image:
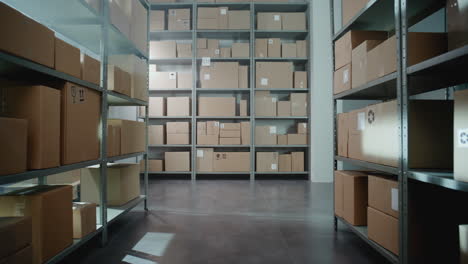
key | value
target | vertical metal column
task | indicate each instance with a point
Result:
(252, 91)
(194, 91)
(308, 69)
(146, 155)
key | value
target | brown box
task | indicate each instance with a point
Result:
(51, 214)
(351, 8)
(288, 50)
(223, 20)
(184, 50)
(132, 135)
(231, 161)
(381, 60)
(178, 139)
(13, 153)
(274, 47)
(205, 158)
(461, 135)
(230, 141)
(212, 128)
(157, 106)
(178, 106)
(239, 19)
(245, 133)
(342, 127)
(267, 161)
(297, 139)
(208, 139)
(302, 128)
(293, 21)
(297, 161)
(230, 134)
(353, 187)
(457, 24)
(163, 49)
(383, 194)
(243, 108)
(230, 126)
(383, 229)
(20, 32)
(339, 193)
(359, 63)
(207, 23)
(274, 75)
(153, 166)
(261, 47)
(300, 80)
(265, 105)
(112, 140)
(269, 21)
(156, 135)
(342, 79)
(15, 234)
(119, 80)
(177, 127)
(67, 58)
(243, 77)
(179, 19)
(217, 106)
(84, 219)
(284, 163)
(157, 20)
(220, 75)
(177, 161)
(202, 43)
(355, 121)
(265, 135)
(139, 69)
(201, 128)
(139, 26)
(90, 69)
(282, 139)
(284, 108)
(184, 80)
(225, 52)
(301, 46)
(240, 50)
(162, 80)
(207, 18)
(123, 183)
(298, 104)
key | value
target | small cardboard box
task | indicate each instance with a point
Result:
(230, 126)
(460, 136)
(288, 50)
(265, 135)
(359, 63)
(162, 80)
(132, 135)
(342, 79)
(269, 21)
(383, 194)
(383, 229)
(261, 47)
(243, 77)
(274, 47)
(284, 108)
(208, 139)
(230, 141)
(239, 19)
(265, 105)
(267, 161)
(240, 50)
(67, 58)
(177, 161)
(301, 46)
(381, 60)
(298, 104)
(302, 128)
(153, 166)
(177, 127)
(84, 219)
(90, 69)
(354, 196)
(297, 161)
(225, 52)
(282, 139)
(157, 20)
(157, 106)
(163, 49)
(207, 18)
(243, 108)
(13, 153)
(202, 43)
(339, 194)
(284, 163)
(179, 19)
(217, 106)
(184, 80)
(205, 158)
(207, 23)
(212, 128)
(297, 139)
(119, 80)
(15, 234)
(293, 21)
(178, 106)
(300, 80)
(184, 50)
(156, 134)
(231, 161)
(274, 75)
(245, 133)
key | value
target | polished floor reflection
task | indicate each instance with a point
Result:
(221, 222)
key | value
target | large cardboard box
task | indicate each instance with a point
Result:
(265, 135)
(271, 75)
(245, 133)
(231, 161)
(157, 106)
(220, 75)
(261, 47)
(265, 105)
(288, 50)
(302, 48)
(342, 129)
(355, 123)
(156, 134)
(177, 161)
(383, 229)
(351, 8)
(123, 183)
(184, 80)
(284, 108)
(240, 50)
(14, 142)
(184, 50)
(354, 196)
(132, 135)
(383, 194)
(178, 106)
(359, 63)
(163, 49)
(119, 18)
(90, 69)
(217, 106)
(239, 19)
(157, 20)
(297, 139)
(293, 21)
(162, 80)
(19, 32)
(269, 21)
(267, 161)
(300, 80)
(15, 234)
(339, 194)
(460, 135)
(205, 159)
(177, 133)
(342, 79)
(67, 58)
(223, 19)
(274, 48)
(50, 209)
(284, 161)
(243, 77)
(139, 26)
(457, 23)
(179, 19)
(119, 80)
(382, 60)
(40, 106)
(207, 18)
(84, 219)
(297, 161)
(298, 104)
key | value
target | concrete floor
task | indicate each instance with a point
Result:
(222, 221)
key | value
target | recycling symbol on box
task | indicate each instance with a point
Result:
(370, 117)
(463, 138)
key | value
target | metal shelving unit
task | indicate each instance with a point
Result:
(92, 32)
(236, 35)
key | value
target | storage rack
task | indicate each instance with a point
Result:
(443, 71)
(194, 62)
(91, 31)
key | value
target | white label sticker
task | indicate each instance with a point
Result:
(276, 17)
(394, 199)
(264, 81)
(206, 61)
(222, 125)
(274, 99)
(273, 130)
(200, 153)
(223, 11)
(463, 138)
(345, 76)
(172, 75)
(270, 41)
(217, 51)
(304, 125)
(216, 124)
(274, 166)
(19, 209)
(361, 121)
(206, 76)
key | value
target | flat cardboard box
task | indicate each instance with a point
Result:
(162, 80)
(225, 52)
(298, 104)
(184, 50)
(220, 75)
(239, 19)
(178, 106)
(230, 134)
(217, 106)
(208, 139)
(157, 20)
(461, 135)
(245, 133)
(15, 234)
(119, 80)
(205, 158)
(269, 21)
(184, 80)
(284, 161)
(132, 135)
(261, 47)
(178, 139)
(288, 50)
(243, 108)
(301, 46)
(119, 18)
(297, 161)
(177, 127)
(20, 31)
(240, 50)
(84, 219)
(267, 161)
(139, 26)
(383, 229)
(13, 153)
(354, 197)
(230, 141)
(156, 135)
(300, 80)
(223, 19)
(284, 108)
(67, 58)
(90, 69)
(342, 129)
(163, 49)
(231, 161)
(157, 106)
(177, 161)
(282, 139)
(342, 79)
(359, 62)
(302, 128)
(243, 77)
(123, 183)
(293, 21)
(274, 75)
(383, 194)
(178, 19)
(51, 214)
(457, 24)
(297, 139)
(274, 47)
(350, 8)
(265, 135)
(265, 105)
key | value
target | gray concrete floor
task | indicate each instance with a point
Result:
(222, 221)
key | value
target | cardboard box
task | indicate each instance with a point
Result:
(20, 31)
(13, 153)
(111, 134)
(265, 105)
(284, 163)
(231, 161)
(40, 106)
(67, 58)
(229, 141)
(239, 19)
(288, 50)
(84, 219)
(162, 80)
(201, 128)
(240, 50)
(207, 23)
(267, 161)
(207, 18)
(184, 50)
(301, 46)
(284, 108)
(157, 107)
(220, 75)
(293, 21)
(177, 127)
(223, 20)
(137, 68)
(178, 139)
(282, 139)
(205, 158)
(156, 135)
(243, 108)
(274, 75)
(225, 52)
(153, 166)
(51, 214)
(208, 139)
(139, 26)
(178, 106)
(457, 23)
(302, 128)
(265, 135)
(230, 126)
(354, 196)
(274, 48)
(269, 21)
(211, 48)
(339, 194)
(351, 8)
(184, 80)
(163, 49)
(243, 77)
(355, 121)
(230, 134)
(359, 63)
(132, 135)
(297, 139)
(217, 106)
(297, 161)
(90, 69)
(352, 39)
(202, 43)
(119, 80)
(382, 60)
(342, 79)
(179, 19)
(342, 129)
(460, 135)
(119, 18)
(245, 133)
(383, 194)
(157, 20)
(300, 80)
(123, 183)
(261, 47)
(212, 128)
(15, 234)
(177, 161)
(298, 104)
(383, 229)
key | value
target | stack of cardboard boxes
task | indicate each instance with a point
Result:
(281, 21)
(224, 75)
(177, 133)
(169, 49)
(268, 135)
(125, 137)
(211, 48)
(210, 161)
(131, 78)
(275, 162)
(215, 133)
(222, 18)
(268, 105)
(273, 48)
(162, 80)
(169, 106)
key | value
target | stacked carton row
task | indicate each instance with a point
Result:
(125, 137)
(166, 80)
(275, 162)
(216, 133)
(222, 18)
(268, 135)
(275, 48)
(126, 74)
(268, 105)
(177, 19)
(176, 133)
(211, 48)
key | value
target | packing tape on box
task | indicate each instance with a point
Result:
(463, 138)
(274, 166)
(264, 81)
(273, 130)
(395, 199)
(200, 153)
(206, 61)
(276, 17)
(361, 121)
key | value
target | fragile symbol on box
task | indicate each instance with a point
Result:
(172, 76)
(274, 166)
(264, 81)
(272, 130)
(206, 76)
(463, 138)
(199, 153)
(78, 94)
(206, 61)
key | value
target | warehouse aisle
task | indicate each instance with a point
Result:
(220, 222)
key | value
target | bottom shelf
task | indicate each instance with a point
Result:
(114, 213)
(361, 231)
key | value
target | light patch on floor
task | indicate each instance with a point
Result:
(136, 260)
(154, 243)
